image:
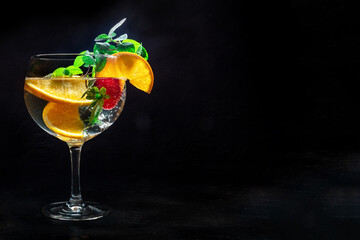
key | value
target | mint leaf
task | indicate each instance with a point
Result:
(59, 72)
(104, 48)
(125, 47)
(142, 52)
(78, 62)
(67, 72)
(111, 50)
(139, 49)
(74, 70)
(88, 60)
(101, 47)
(121, 38)
(116, 26)
(86, 52)
(101, 37)
(111, 35)
(136, 43)
(100, 61)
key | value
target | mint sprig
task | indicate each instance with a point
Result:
(92, 62)
(105, 44)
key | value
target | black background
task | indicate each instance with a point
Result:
(251, 131)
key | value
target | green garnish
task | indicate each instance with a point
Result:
(105, 44)
(97, 96)
(67, 72)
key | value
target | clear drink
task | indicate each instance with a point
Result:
(64, 112)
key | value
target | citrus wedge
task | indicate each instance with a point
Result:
(64, 119)
(130, 66)
(60, 90)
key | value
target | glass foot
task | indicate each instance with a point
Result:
(86, 211)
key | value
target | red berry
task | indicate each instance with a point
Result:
(113, 89)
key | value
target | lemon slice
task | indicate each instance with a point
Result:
(130, 66)
(58, 90)
(64, 119)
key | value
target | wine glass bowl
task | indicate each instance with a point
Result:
(74, 106)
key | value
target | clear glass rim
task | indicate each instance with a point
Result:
(57, 56)
(64, 56)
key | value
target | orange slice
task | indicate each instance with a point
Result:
(59, 90)
(130, 66)
(64, 119)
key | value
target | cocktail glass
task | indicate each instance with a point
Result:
(59, 106)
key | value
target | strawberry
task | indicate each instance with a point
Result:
(113, 89)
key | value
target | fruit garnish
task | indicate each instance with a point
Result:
(113, 90)
(130, 66)
(63, 119)
(111, 58)
(59, 90)
(120, 58)
(130, 60)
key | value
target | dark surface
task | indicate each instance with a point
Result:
(319, 201)
(251, 131)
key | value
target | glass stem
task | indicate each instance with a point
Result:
(75, 201)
